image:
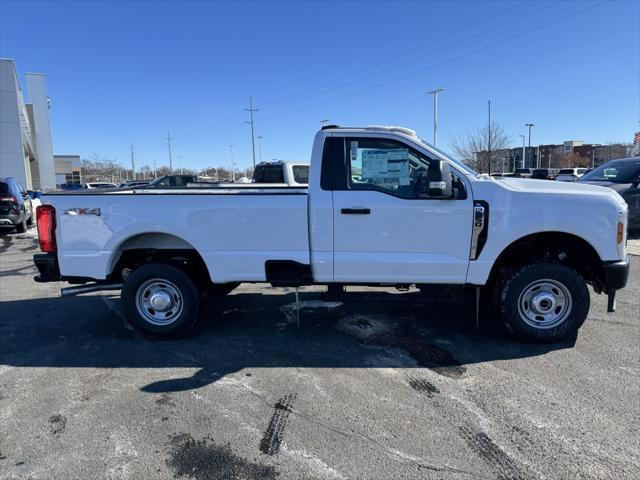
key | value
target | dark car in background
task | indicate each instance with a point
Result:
(16, 210)
(520, 173)
(623, 176)
(544, 173)
(173, 181)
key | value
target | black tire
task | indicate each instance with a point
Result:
(30, 219)
(21, 227)
(166, 281)
(520, 307)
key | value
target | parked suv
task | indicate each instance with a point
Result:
(571, 174)
(623, 176)
(16, 210)
(544, 173)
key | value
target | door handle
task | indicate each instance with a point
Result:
(355, 211)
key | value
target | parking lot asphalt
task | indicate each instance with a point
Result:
(371, 387)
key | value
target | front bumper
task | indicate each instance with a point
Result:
(47, 264)
(616, 274)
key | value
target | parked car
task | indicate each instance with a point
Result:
(173, 181)
(623, 176)
(519, 173)
(382, 207)
(288, 173)
(16, 209)
(96, 185)
(70, 186)
(544, 173)
(570, 174)
(134, 183)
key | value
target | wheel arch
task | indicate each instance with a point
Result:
(155, 247)
(567, 248)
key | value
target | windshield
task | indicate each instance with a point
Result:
(465, 168)
(566, 171)
(617, 171)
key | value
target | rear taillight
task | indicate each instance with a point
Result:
(46, 220)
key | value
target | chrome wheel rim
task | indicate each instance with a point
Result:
(159, 302)
(545, 304)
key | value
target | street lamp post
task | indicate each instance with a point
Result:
(233, 164)
(522, 150)
(435, 113)
(260, 146)
(529, 125)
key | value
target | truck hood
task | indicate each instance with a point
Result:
(559, 188)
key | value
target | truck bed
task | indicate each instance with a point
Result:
(235, 230)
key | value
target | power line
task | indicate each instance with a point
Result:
(403, 54)
(444, 62)
(416, 72)
(415, 59)
(229, 120)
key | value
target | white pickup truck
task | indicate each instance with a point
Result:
(382, 207)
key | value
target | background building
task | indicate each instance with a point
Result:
(67, 169)
(26, 151)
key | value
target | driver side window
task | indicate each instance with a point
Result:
(386, 166)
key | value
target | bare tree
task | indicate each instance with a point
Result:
(97, 168)
(473, 147)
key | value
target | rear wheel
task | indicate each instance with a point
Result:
(22, 226)
(543, 302)
(160, 300)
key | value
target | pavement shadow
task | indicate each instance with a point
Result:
(248, 330)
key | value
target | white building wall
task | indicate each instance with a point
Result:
(36, 84)
(13, 161)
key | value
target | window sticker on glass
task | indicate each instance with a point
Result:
(386, 166)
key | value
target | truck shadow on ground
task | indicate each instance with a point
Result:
(249, 330)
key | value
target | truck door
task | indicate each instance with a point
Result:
(385, 230)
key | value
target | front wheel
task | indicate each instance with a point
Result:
(543, 302)
(160, 300)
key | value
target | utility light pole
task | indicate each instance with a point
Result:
(435, 112)
(529, 125)
(521, 135)
(233, 164)
(260, 137)
(169, 138)
(253, 138)
(324, 122)
(133, 164)
(489, 136)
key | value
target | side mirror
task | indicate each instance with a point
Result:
(636, 181)
(439, 180)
